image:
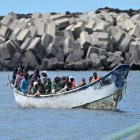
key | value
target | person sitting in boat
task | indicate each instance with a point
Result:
(41, 88)
(24, 84)
(73, 82)
(83, 82)
(35, 75)
(43, 76)
(56, 86)
(31, 89)
(90, 79)
(19, 78)
(95, 77)
(67, 87)
(63, 81)
(47, 85)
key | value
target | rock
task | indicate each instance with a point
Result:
(54, 52)
(85, 40)
(135, 31)
(23, 34)
(96, 50)
(26, 43)
(5, 31)
(62, 23)
(89, 27)
(100, 26)
(70, 46)
(51, 29)
(77, 29)
(8, 19)
(2, 39)
(125, 44)
(37, 15)
(4, 52)
(52, 64)
(75, 66)
(46, 39)
(58, 16)
(29, 60)
(33, 31)
(75, 56)
(14, 61)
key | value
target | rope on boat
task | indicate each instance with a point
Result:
(134, 130)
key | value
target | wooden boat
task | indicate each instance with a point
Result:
(105, 93)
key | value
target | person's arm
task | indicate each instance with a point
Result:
(15, 84)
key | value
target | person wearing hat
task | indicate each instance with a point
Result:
(95, 77)
(43, 76)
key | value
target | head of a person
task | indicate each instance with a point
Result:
(35, 84)
(95, 75)
(90, 78)
(67, 78)
(44, 73)
(57, 79)
(26, 76)
(71, 79)
(36, 72)
(25, 70)
(38, 81)
(83, 80)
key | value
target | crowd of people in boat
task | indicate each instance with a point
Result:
(38, 83)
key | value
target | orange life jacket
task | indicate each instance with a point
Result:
(94, 80)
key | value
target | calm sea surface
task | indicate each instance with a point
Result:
(17, 123)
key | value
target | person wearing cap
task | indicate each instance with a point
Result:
(83, 82)
(73, 83)
(24, 84)
(95, 77)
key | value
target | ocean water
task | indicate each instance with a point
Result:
(18, 123)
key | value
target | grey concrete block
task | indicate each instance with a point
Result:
(65, 34)
(2, 39)
(40, 26)
(95, 60)
(5, 31)
(135, 17)
(37, 15)
(29, 60)
(85, 40)
(102, 36)
(14, 61)
(15, 32)
(135, 31)
(35, 44)
(100, 26)
(33, 31)
(94, 40)
(89, 27)
(46, 39)
(26, 43)
(52, 64)
(75, 56)
(58, 16)
(4, 52)
(54, 52)
(62, 23)
(96, 50)
(23, 34)
(107, 17)
(75, 66)
(77, 29)
(51, 29)
(8, 19)
(70, 46)
(125, 44)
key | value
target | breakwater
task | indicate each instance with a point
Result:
(100, 40)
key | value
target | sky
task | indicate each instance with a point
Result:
(61, 6)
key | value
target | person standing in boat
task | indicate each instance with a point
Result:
(95, 77)
(24, 84)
